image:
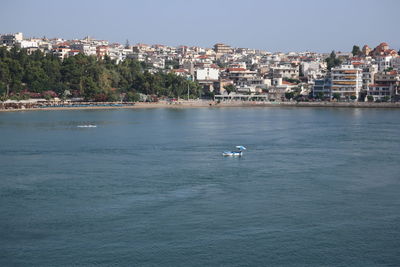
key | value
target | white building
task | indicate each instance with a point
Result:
(27, 44)
(383, 62)
(209, 74)
(61, 52)
(87, 49)
(11, 39)
(395, 63)
(285, 72)
(156, 62)
(312, 70)
(379, 91)
(346, 81)
(368, 76)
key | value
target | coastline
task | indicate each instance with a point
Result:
(213, 104)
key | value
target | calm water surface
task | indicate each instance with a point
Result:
(316, 187)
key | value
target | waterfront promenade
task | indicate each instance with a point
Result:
(195, 104)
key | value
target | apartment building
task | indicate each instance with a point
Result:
(322, 87)
(207, 74)
(368, 74)
(284, 71)
(238, 75)
(222, 49)
(346, 81)
(11, 39)
(386, 86)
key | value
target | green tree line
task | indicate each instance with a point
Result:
(45, 75)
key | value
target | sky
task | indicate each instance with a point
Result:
(280, 25)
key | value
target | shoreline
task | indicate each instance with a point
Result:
(213, 104)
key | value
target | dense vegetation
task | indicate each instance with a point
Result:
(332, 61)
(356, 51)
(44, 75)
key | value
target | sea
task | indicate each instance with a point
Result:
(150, 187)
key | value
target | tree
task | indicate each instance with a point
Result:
(132, 97)
(23, 75)
(172, 64)
(5, 78)
(370, 98)
(221, 64)
(336, 96)
(289, 95)
(362, 95)
(127, 45)
(301, 71)
(353, 97)
(89, 88)
(230, 88)
(356, 50)
(332, 61)
(319, 95)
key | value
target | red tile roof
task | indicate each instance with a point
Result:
(288, 83)
(179, 70)
(236, 69)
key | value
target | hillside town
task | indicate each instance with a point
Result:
(225, 73)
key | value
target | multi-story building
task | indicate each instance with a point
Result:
(87, 49)
(346, 81)
(276, 92)
(101, 51)
(395, 63)
(207, 74)
(322, 87)
(383, 62)
(156, 62)
(61, 52)
(311, 70)
(379, 91)
(386, 86)
(239, 75)
(11, 39)
(285, 72)
(368, 74)
(27, 44)
(222, 49)
(208, 78)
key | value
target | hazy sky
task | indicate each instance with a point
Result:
(280, 25)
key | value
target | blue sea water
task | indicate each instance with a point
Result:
(316, 187)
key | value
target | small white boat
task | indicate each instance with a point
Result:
(87, 126)
(232, 154)
(237, 153)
